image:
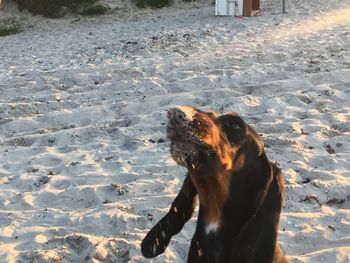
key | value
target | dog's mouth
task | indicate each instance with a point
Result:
(188, 132)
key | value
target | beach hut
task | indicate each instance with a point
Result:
(237, 7)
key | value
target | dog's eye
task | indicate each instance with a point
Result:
(211, 153)
(234, 125)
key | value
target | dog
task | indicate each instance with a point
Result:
(240, 191)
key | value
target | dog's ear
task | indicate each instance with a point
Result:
(237, 131)
(257, 141)
(233, 126)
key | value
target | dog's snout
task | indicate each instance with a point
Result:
(181, 113)
(176, 114)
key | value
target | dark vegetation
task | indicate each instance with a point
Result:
(94, 10)
(153, 3)
(58, 8)
(10, 27)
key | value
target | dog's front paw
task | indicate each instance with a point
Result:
(155, 242)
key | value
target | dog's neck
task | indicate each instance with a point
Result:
(213, 191)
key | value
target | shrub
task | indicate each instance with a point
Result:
(55, 8)
(10, 27)
(94, 10)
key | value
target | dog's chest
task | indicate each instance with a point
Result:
(214, 243)
(211, 228)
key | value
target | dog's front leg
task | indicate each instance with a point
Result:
(181, 210)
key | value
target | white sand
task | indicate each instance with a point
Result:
(83, 104)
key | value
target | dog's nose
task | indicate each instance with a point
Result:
(176, 114)
(171, 113)
(181, 113)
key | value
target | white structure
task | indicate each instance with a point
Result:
(229, 7)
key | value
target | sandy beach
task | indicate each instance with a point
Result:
(85, 168)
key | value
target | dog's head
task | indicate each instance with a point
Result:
(207, 143)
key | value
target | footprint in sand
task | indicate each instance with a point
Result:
(72, 248)
(21, 141)
(119, 251)
(46, 160)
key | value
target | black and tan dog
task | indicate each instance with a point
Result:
(240, 191)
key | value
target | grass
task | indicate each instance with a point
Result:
(10, 27)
